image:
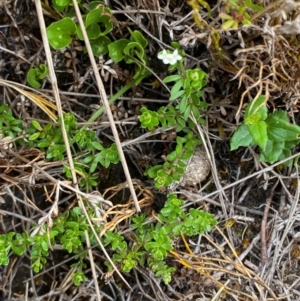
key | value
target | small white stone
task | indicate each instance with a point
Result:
(198, 168)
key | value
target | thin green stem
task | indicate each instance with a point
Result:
(100, 111)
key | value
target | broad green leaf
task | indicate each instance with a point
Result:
(102, 20)
(176, 176)
(180, 123)
(93, 17)
(257, 106)
(181, 163)
(100, 45)
(280, 129)
(258, 131)
(93, 32)
(116, 50)
(272, 152)
(241, 137)
(252, 119)
(291, 144)
(60, 33)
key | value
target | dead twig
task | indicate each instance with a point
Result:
(263, 235)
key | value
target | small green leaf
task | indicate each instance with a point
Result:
(183, 105)
(100, 45)
(178, 149)
(172, 156)
(18, 250)
(32, 78)
(136, 36)
(176, 95)
(43, 71)
(116, 49)
(172, 78)
(228, 24)
(187, 112)
(241, 137)
(134, 49)
(258, 131)
(36, 125)
(257, 106)
(152, 172)
(280, 129)
(272, 152)
(97, 145)
(175, 89)
(93, 32)
(34, 136)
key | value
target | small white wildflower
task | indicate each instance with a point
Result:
(169, 58)
(164, 56)
(174, 57)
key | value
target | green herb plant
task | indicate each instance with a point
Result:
(97, 21)
(186, 93)
(272, 132)
(237, 12)
(9, 125)
(87, 149)
(147, 243)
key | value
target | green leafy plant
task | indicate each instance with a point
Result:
(150, 245)
(186, 92)
(97, 23)
(35, 75)
(273, 133)
(132, 51)
(152, 242)
(238, 12)
(9, 125)
(174, 167)
(49, 139)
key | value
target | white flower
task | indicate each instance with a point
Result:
(169, 58)
(175, 56)
(164, 56)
